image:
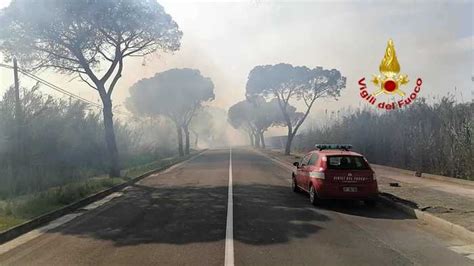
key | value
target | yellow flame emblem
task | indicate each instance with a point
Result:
(390, 80)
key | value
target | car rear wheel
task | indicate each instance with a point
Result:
(294, 185)
(313, 197)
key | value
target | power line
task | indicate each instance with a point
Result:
(54, 87)
(59, 89)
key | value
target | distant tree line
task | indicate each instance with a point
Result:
(255, 117)
(432, 138)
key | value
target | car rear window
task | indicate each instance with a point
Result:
(347, 162)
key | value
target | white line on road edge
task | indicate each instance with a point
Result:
(22, 239)
(229, 232)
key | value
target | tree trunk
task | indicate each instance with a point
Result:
(196, 140)
(251, 139)
(180, 140)
(288, 145)
(257, 140)
(186, 134)
(114, 170)
(262, 139)
(289, 139)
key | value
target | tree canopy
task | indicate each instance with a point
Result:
(202, 126)
(256, 116)
(74, 36)
(286, 83)
(89, 38)
(175, 93)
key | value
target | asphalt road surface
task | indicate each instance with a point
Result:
(179, 217)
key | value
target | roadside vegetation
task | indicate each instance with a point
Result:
(19, 209)
(432, 138)
(14, 211)
(61, 142)
(59, 154)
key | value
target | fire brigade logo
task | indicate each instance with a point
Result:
(390, 82)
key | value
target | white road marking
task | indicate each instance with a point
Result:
(53, 224)
(101, 202)
(466, 250)
(229, 232)
(36, 232)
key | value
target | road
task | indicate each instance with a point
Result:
(179, 217)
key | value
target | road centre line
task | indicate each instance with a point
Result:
(229, 232)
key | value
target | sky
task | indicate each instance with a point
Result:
(225, 40)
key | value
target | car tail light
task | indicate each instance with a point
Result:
(318, 175)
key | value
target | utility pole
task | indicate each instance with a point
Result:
(17, 93)
(18, 116)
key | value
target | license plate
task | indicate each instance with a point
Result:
(349, 189)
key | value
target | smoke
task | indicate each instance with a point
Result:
(225, 40)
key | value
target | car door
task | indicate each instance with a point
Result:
(310, 165)
(302, 172)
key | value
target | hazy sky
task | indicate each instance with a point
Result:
(225, 40)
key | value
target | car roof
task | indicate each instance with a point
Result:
(337, 152)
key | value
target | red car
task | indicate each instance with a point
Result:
(332, 171)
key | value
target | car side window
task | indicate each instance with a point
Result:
(313, 159)
(305, 159)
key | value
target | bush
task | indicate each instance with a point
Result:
(436, 138)
(57, 142)
(30, 206)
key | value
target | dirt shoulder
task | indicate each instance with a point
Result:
(447, 200)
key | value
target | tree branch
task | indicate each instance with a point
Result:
(118, 75)
(49, 52)
(115, 62)
(283, 108)
(104, 55)
(71, 69)
(138, 49)
(300, 122)
(84, 64)
(190, 114)
(87, 82)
